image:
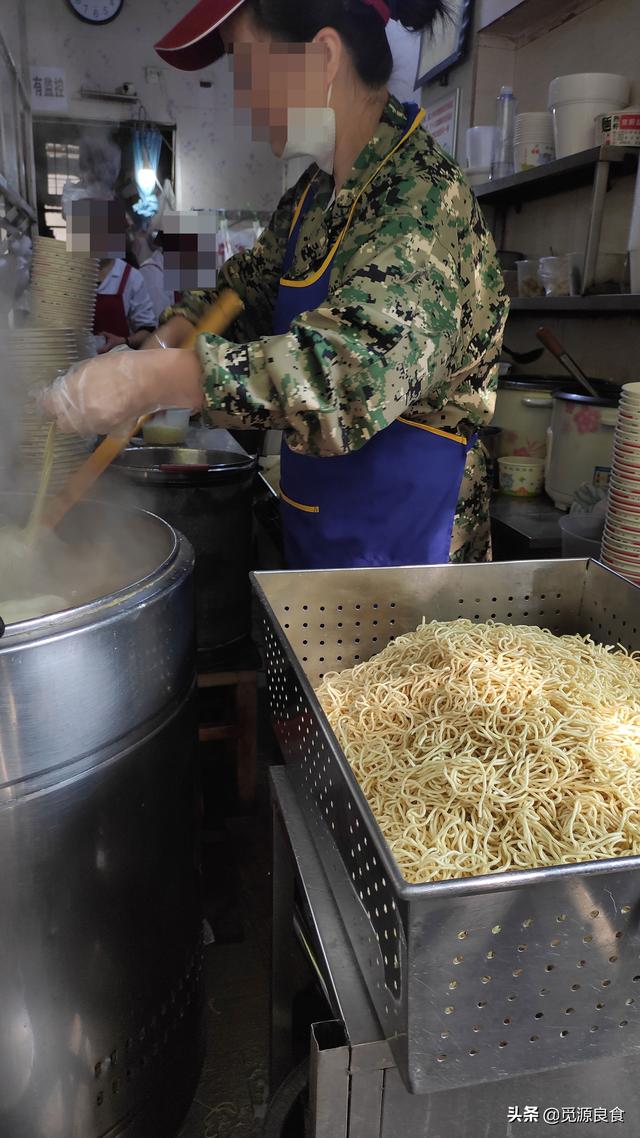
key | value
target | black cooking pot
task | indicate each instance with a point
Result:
(207, 496)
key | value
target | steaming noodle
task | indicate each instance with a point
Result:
(98, 551)
(488, 747)
(12, 612)
(23, 575)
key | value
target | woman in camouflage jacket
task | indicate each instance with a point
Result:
(407, 327)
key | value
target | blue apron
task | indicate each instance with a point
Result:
(393, 501)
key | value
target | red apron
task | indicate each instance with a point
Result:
(110, 312)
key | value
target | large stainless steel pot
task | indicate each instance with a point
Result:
(100, 941)
(208, 495)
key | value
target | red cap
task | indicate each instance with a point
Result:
(382, 8)
(196, 42)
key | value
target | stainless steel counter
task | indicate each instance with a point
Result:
(524, 528)
(355, 1088)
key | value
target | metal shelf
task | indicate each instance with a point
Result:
(555, 177)
(564, 174)
(586, 305)
(107, 96)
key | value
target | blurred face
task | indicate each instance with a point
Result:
(189, 247)
(96, 228)
(270, 77)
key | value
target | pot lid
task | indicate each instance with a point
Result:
(531, 383)
(183, 465)
(592, 400)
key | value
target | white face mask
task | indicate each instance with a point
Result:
(311, 132)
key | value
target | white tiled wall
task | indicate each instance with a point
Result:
(218, 165)
(604, 38)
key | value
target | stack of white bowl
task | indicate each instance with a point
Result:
(36, 356)
(533, 143)
(63, 286)
(621, 541)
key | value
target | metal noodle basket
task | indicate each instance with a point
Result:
(484, 978)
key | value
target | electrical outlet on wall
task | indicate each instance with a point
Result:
(152, 75)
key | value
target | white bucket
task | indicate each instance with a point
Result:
(581, 535)
(480, 140)
(576, 101)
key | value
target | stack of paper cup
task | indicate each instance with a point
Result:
(621, 541)
(533, 143)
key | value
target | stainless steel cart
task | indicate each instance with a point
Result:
(478, 983)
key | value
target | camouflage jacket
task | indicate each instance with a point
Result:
(413, 322)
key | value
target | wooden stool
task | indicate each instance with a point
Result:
(242, 731)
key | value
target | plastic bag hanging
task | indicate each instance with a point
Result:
(147, 145)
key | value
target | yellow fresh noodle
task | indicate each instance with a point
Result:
(488, 747)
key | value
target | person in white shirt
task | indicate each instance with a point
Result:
(123, 308)
(151, 264)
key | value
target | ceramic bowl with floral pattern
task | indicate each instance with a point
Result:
(521, 477)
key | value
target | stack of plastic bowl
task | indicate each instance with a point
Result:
(577, 100)
(35, 356)
(533, 143)
(63, 287)
(621, 541)
(63, 299)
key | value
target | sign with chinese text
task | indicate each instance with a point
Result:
(48, 89)
(442, 120)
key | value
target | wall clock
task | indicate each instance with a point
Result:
(96, 11)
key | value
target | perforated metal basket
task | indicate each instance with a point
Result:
(480, 979)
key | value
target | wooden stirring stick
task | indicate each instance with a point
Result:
(39, 503)
(216, 320)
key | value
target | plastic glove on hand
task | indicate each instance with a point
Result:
(98, 395)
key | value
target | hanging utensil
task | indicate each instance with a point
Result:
(216, 320)
(553, 345)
